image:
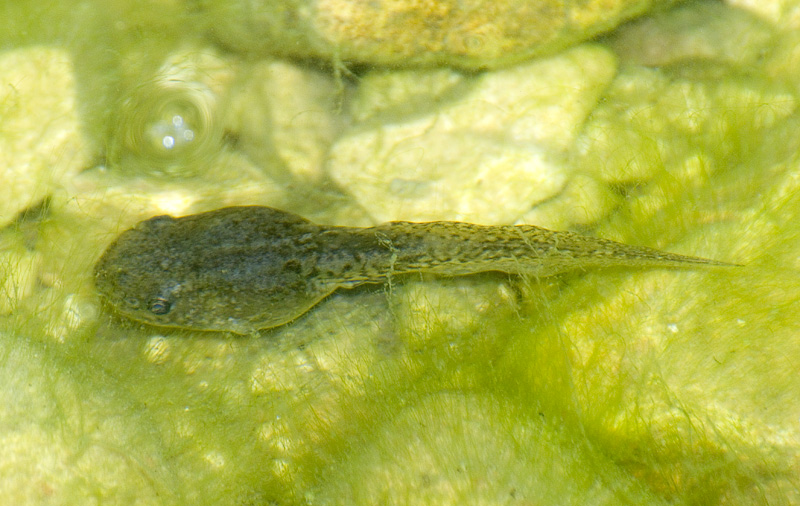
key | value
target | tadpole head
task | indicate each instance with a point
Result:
(131, 276)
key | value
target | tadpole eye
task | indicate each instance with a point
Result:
(160, 306)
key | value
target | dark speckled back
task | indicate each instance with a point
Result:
(241, 269)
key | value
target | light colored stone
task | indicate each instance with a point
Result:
(544, 102)
(396, 93)
(231, 180)
(584, 201)
(285, 119)
(785, 13)
(488, 156)
(397, 174)
(40, 133)
(696, 31)
(451, 306)
(475, 34)
(652, 120)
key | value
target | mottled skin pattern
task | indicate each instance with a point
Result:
(241, 269)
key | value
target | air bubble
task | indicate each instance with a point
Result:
(168, 128)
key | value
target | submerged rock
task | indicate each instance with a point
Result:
(41, 145)
(475, 34)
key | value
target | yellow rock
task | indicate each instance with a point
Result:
(41, 144)
(474, 34)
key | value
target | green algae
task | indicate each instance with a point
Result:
(650, 388)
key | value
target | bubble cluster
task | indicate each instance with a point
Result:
(167, 129)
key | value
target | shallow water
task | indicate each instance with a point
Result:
(671, 386)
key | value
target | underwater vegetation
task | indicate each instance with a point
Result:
(672, 129)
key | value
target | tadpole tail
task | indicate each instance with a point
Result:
(454, 248)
